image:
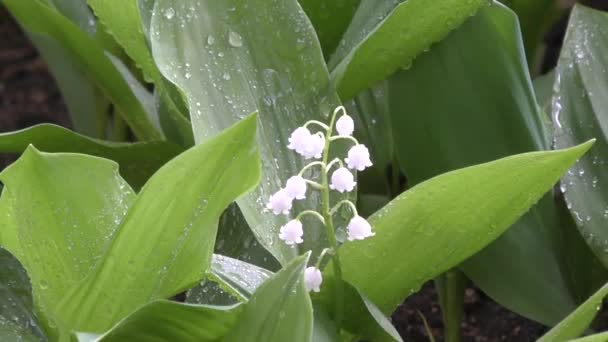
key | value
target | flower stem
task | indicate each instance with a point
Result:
(329, 225)
(311, 213)
(339, 204)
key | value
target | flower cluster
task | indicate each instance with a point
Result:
(316, 146)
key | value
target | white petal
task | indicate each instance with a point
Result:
(342, 180)
(358, 229)
(299, 139)
(296, 187)
(345, 125)
(313, 279)
(292, 232)
(280, 202)
(358, 158)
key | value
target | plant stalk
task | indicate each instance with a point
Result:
(329, 225)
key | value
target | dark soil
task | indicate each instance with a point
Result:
(28, 95)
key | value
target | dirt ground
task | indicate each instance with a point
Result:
(28, 95)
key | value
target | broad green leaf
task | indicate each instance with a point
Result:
(233, 57)
(437, 224)
(330, 19)
(163, 238)
(363, 318)
(580, 110)
(55, 231)
(89, 56)
(138, 161)
(410, 29)
(579, 320)
(171, 321)
(280, 310)
(77, 90)
(451, 131)
(17, 319)
(176, 237)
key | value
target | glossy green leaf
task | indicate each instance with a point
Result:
(411, 28)
(439, 223)
(452, 131)
(280, 310)
(330, 19)
(363, 317)
(579, 320)
(230, 59)
(171, 321)
(90, 56)
(17, 318)
(580, 110)
(163, 238)
(138, 161)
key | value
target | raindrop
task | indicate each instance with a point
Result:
(188, 75)
(226, 76)
(44, 285)
(210, 40)
(235, 39)
(169, 13)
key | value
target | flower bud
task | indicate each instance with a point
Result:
(358, 158)
(358, 229)
(292, 232)
(313, 279)
(296, 187)
(280, 202)
(345, 125)
(342, 180)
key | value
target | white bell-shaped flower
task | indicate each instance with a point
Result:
(345, 125)
(300, 138)
(358, 229)
(342, 180)
(313, 279)
(296, 187)
(314, 147)
(280, 202)
(358, 158)
(292, 232)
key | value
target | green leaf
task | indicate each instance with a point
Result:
(363, 317)
(453, 131)
(580, 110)
(138, 161)
(601, 337)
(411, 28)
(579, 320)
(77, 90)
(123, 21)
(90, 57)
(171, 321)
(51, 228)
(441, 222)
(330, 19)
(230, 59)
(280, 310)
(17, 319)
(163, 238)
